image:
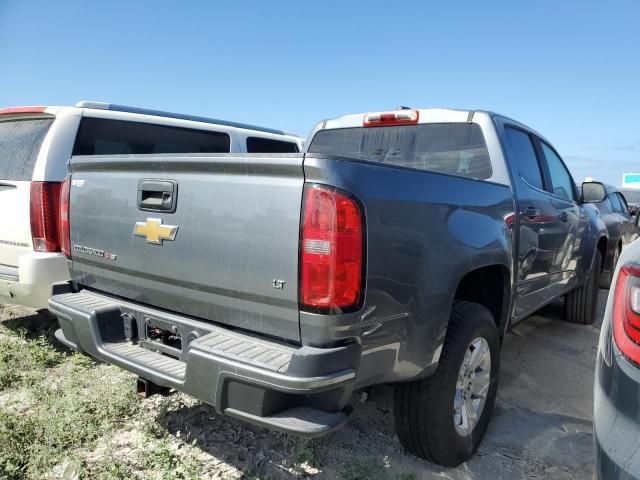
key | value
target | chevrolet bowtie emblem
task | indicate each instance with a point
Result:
(154, 231)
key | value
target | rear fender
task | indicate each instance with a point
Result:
(425, 231)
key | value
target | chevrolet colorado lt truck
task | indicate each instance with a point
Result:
(397, 248)
(35, 146)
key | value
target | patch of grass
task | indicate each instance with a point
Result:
(75, 409)
(300, 451)
(156, 459)
(362, 467)
(24, 361)
(157, 427)
(110, 470)
(168, 465)
(406, 476)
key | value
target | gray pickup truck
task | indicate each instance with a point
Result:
(397, 248)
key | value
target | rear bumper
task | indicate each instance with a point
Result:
(299, 390)
(31, 283)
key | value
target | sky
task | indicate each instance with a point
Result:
(570, 69)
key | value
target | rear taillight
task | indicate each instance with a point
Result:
(44, 213)
(396, 117)
(63, 225)
(626, 312)
(331, 250)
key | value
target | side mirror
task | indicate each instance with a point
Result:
(593, 192)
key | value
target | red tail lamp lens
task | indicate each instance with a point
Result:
(331, 250)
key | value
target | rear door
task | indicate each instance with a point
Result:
(538, 225)
(206, 235)
(567, 220)
(21, 137)
(624, 217)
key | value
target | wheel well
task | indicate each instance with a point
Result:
(487, 286)
(602, 248)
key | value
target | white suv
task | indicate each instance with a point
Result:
(35, 146)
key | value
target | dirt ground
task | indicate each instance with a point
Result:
(541, 426)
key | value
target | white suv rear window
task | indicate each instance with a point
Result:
(20, 142)
(98, 136)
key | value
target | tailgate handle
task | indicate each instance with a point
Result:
(157, 195)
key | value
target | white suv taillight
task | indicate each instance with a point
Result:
(44, 212)
(63, 225)
(331, 256)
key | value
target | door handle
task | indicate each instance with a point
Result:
(564, 217)
(157, 195)
(531, 213)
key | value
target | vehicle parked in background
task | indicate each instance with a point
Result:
(632, 196)
(616, 413)
(622, 228)
(36, 144)
(398, 248)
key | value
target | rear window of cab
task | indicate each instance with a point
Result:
(450, 148)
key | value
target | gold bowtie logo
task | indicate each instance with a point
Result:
(154, 231)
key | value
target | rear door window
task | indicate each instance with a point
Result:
(609, 204)
(524, 156)
(99, 136)
(269, 145)
(20, 142)
(623, 202)
(451, 148)
(617, 204)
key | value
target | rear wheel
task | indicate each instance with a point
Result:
(582, 302)
(443, 418)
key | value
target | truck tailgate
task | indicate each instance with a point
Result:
(229, 252)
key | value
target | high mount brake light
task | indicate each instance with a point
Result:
(395, 117)
(331, 249)
(12, 110)
(44, 214)
(626, 312)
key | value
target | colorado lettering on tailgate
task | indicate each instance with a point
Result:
(94, 252)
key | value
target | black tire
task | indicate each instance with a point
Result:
(607, 277)
(581, 303)
(423, 410)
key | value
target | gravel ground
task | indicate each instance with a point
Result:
(541, 426)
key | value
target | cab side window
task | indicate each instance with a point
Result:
(525, 156)
(561, 181)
